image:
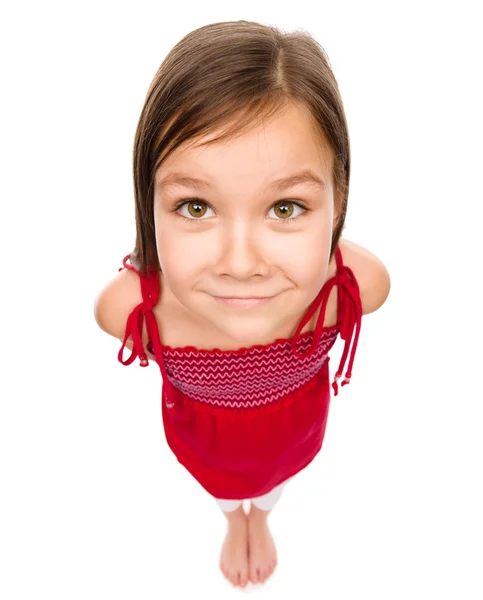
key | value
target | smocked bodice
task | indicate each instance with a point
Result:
(247, 377)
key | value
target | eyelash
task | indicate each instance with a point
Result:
(298, 203)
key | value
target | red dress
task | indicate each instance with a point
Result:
(243, 421)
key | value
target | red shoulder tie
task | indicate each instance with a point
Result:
(349, 314)
(134, 326)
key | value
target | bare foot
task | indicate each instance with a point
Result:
(262, 553)
(234, 553)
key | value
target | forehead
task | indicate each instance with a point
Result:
(288, 142)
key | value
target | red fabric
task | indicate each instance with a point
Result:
(242, 449)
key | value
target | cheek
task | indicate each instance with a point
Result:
(302, 256)
(176, 245)
(176, 259)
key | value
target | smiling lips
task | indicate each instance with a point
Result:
(243, 302)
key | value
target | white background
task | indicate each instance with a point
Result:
(93, 503)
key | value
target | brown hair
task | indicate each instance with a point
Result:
(235, 73)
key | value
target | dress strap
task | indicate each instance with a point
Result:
(349, 315)
(144, 310)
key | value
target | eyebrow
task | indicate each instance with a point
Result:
(307, 176)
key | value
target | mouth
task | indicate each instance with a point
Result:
(243, 302)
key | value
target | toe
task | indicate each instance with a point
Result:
(267, 572)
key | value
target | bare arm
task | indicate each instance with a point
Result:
(371, 274)
(115, 302)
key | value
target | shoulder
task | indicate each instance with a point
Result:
(116, 301)
(371, 274)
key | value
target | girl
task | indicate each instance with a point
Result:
(239, 282)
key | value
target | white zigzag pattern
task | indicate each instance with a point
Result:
(231, 393)
(256, 376)
(253, 370)
(247, 403)
(234, 380)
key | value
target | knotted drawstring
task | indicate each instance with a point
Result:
(134, 326)
(349, 313)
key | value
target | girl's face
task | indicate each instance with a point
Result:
(243, 229)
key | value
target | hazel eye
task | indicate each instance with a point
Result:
(196, 208)
(285, 209)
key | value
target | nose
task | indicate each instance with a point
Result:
(241, 252)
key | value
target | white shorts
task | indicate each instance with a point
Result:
(265, 502)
